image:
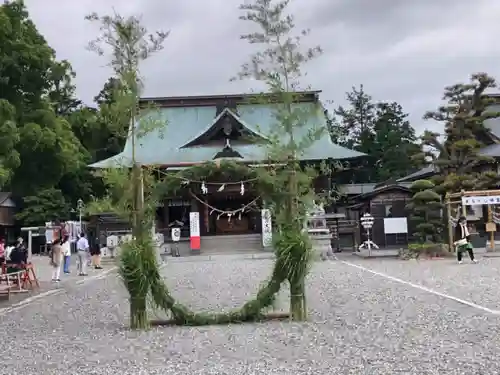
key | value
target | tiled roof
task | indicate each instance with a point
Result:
(185, 124)
(422, 173)
(357, 189)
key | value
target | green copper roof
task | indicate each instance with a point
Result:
(185, 124)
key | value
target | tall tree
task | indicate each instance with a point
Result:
(62, 91)
(25, 58)
(394, 143)
(458, 156)
(356, 121)
(380, 130)
(9, 137)
(30, 79)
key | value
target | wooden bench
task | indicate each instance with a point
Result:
(28, 276)
(11, 283)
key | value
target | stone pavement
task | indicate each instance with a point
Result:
(43, 271)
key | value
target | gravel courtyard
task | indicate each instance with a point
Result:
(360, 323)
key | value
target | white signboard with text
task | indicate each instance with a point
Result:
(480, 200)
(194, 230)
(267, 230)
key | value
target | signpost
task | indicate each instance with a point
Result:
(367, 221)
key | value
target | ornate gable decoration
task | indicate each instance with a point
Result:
(227, 126)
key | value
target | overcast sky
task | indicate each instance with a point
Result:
(401, 50)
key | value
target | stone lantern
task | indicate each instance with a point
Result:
(319, 233)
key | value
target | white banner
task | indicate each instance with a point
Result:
(49, 233)
(475, 201)
(267, 230)
(194, 230)
(194, 224)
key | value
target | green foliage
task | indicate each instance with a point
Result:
(36, 98)
(129, 192)
(46, 205)
(458, 157)
(380, 130)
(279, 64)
(49, 150)
(425, 207)
(25, 58)
(9, 138)
(429, 249)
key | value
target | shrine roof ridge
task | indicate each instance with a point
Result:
(211, 100)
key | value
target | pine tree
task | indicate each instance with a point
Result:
(394, 144)
(458, 156)
(425, 207)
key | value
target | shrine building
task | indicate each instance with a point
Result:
(219, 127)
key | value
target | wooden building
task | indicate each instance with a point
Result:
(381, 201)
(8, 207)
(217, 127)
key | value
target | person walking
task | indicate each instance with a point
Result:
(82, 246)
(96, 256)
(56, 260)
(462, 240)
(66, 252)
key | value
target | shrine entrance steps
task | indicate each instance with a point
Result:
(231, 244)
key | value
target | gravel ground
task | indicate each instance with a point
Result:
(477, 283)
(359, 324)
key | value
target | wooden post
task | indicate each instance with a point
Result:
(464, 209)
(492, 233)
(450, 227)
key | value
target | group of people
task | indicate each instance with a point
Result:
(61, 256)
(15, 256)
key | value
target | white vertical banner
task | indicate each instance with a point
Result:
(194, 230)
(267, 230)
(49, 233)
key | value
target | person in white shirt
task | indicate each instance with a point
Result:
(82, 246)
(66, 252)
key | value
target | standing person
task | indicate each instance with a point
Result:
(66, 252)
(56, 260)
(82, 246)
(2, 251)
(462, 240)
(96, 256)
